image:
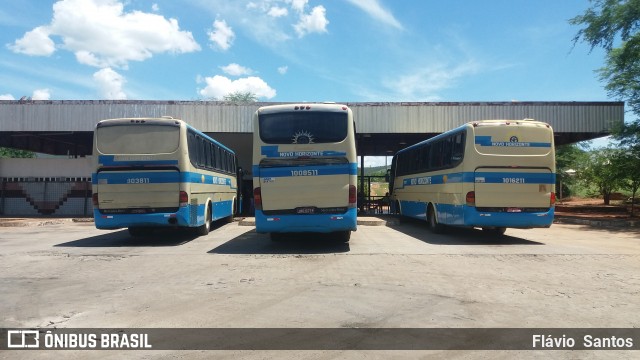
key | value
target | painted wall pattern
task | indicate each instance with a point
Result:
(45, 196)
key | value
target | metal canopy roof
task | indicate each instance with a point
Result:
(66, 127)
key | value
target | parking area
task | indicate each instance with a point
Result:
(74, 276)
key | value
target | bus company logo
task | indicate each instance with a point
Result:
(23, 339)
(513, 139)
(302, 137)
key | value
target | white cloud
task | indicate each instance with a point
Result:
(376, 11)
(270, 22)
(35, 42)
(7, 97)
(100, 33)
(425, 83)
(41, 94)
(314, 22)
(277, 12)
(222, 35)
(155, 8)
(110, 84)
(298, 5)
(218, 86)
(283, 70)
(234, 69)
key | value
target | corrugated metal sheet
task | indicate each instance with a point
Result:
(581, 117)
(588, 117)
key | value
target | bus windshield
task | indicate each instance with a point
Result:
(303, 127)
(137, 139)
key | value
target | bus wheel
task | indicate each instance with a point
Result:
(276, 237)
(343, 236)
(435, 227)
(138, 231)
(229, 218)
(206, 227)
(398, 213)
(497, 231)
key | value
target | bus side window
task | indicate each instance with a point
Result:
(207, 155)
(212, 160)
(446, 152)
(201, 155)
(458, 148)
(218, 159)
(436, 155)
(193, 147)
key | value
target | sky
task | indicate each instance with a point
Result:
(297, 50)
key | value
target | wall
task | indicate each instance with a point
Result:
(46, 168)
(48, 186)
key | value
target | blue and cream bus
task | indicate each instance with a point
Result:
(492, 174)
(161, 172)
(304, 169)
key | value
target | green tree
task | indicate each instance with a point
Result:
(15, 153)
(629, 168)
(568, 157)
(241, 97)
(614, 25)
(602, 171)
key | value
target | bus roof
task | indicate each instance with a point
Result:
(165, 120)
(303, 106)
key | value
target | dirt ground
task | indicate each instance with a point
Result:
(590, 208)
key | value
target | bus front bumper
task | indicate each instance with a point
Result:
(325, 223)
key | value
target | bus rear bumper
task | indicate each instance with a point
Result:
(306, 223)
(475, 218)
(117, 221)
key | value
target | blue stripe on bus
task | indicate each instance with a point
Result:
(271, 151)
(464, 215)
(141, 177)
(109, 160)
(350, 169)
(221, 209)
(487, 141)
(482, 177)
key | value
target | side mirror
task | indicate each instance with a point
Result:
(387, 176)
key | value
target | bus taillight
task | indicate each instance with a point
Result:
(553, 198)
(257, 198)
(184, 198)
(94, 198)
(353, 196)
(471, 198)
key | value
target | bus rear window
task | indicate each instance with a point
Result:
(137, 139)
(312, 127)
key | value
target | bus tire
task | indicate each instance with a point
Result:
(497, 231)
(229, 219)
(138, 231)
(398, 212)
(434, 226)
(276, 237)
(343, 236)
(204, 229)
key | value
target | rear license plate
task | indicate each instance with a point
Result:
(514, 210)
(306, 210)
